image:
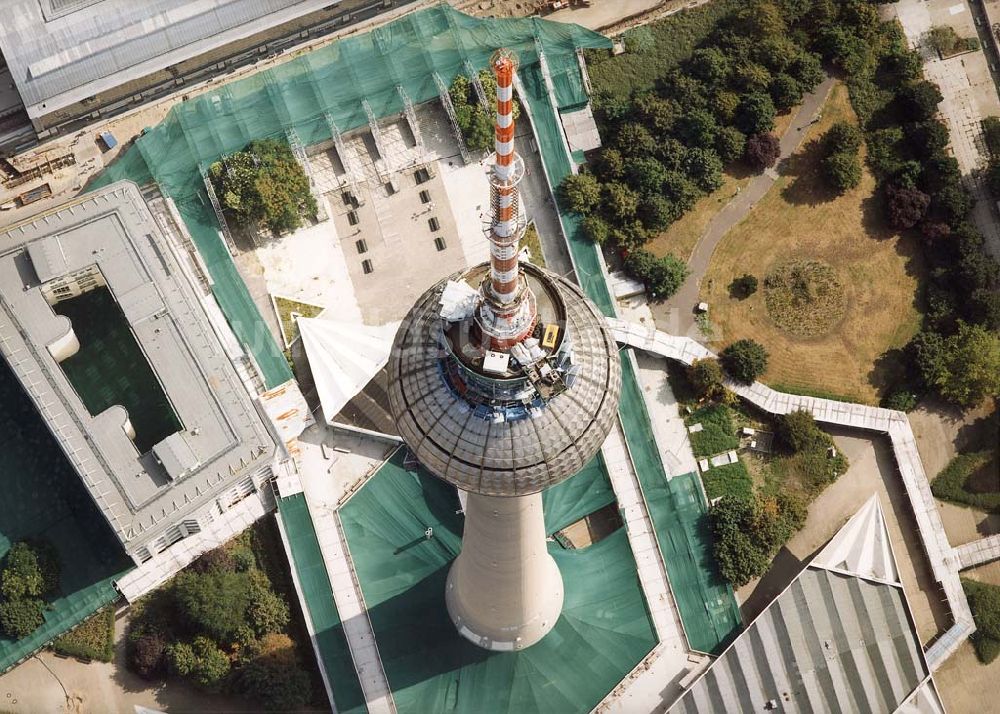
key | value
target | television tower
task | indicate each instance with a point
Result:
(504, 381)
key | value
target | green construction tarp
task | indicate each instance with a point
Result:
(706, 603)
(310, 96)
(580, 495)
(603, 632)
(314, 583)
(43, 498)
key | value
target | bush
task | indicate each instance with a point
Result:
(580, 193)
(705, 376)
(743, 286)
(263, 183)
(93, 639)
(950, 484)
(901, 400)
(266, 612)
(762, 151)
(744, 360)
(22, 575)
(210, 664)
(946, 41)
(276, 680)
(797, 431)
(19, 618)
(964, 368)
(146, 655)
(749, 530)
(984, 601)
(661, 276)
(727, 480)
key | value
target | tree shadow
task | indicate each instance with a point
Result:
(807, 187)
(783, 570)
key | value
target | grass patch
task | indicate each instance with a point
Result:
(94, 639)
(970, 480)
(532, 242)
(728, 480)
(683, 235)
(288, 310)
(717, 434)
(880, 270)
(653, 50)
(804, 297)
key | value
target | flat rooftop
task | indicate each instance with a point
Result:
(111, 236)
(62, 51)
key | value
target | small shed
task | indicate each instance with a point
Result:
(108, 140)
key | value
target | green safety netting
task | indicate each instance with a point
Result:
(587, 491)
(310, 570)
(603, 632)
(705, 601)
(43, 498)
(312, 94)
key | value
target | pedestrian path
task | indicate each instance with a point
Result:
(944, 560)
(978, 552)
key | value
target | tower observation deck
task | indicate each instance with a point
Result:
(504, 381)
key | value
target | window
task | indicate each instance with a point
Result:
(434, 224)
(439, 243)
(422, 175)
(425, 197)
(390, 188)
(367, 267)
(361, 246)
(352, 218)
(347, 198)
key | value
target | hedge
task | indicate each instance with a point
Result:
(93, 639)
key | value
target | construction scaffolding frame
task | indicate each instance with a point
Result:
(217, 207)
(449, 109)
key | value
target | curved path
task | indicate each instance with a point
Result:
(677, 313)
(945, 562)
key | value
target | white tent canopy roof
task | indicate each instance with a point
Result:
(862, 547)
(343, 357)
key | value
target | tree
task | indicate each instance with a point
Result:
(993, 179)
(276, 680)
(785, 91)
(743, 286)
(655, 113)
(656, 212)
(919, 100)
(762, 151)
(19, 618)
(906, 206)
(596, 229)
(146, 655)
(645, 175)
(755, 114)
(263, 183)
(266, 612)
(213, 603)
(724, 105)
(610, 164)
(926, 138)
(984, 602)
(661, 276)
(705, 376)
(807, 69)
(951, 204)
(749, 530)
(635, 140)
(797, 430)
(679, 189)
(709, 65)
(697, 128)
(842, 137)
(744, 360)
(180, 658)
(580, 193)
(991, 134)
(730, 143)
(965, 367)
(705, 168)
(211, 665)
(842, 171)
(619, 202)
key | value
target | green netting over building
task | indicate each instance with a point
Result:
(314, 583)
(705, 601)
(314, 94)
(603, 632)
(44, 498)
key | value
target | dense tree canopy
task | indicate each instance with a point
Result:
(744, 360)
(762, 151)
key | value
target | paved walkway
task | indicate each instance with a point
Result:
(943, 559)
(676, 315)
(978, 552)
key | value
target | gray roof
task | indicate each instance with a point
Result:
(223, 438)
(837, 639)
(62, 51)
